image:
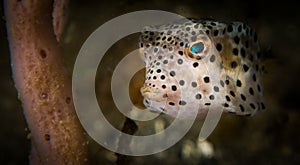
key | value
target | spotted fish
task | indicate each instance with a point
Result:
(196, 63)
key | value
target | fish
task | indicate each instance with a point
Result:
(195, 63)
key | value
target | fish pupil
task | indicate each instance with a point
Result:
(197, 48)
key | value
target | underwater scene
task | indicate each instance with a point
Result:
(102, 82)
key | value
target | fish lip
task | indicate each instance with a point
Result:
(145, 90)
(149, 92)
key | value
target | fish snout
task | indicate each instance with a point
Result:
(150, 91)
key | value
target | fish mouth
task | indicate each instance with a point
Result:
(152, 99)
(151, 93)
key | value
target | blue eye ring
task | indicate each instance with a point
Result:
(197, 47)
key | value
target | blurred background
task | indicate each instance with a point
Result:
(271, 137)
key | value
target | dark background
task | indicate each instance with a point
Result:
(268, 138)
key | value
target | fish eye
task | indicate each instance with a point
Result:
(197, 47)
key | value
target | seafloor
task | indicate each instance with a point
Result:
(271, 137)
